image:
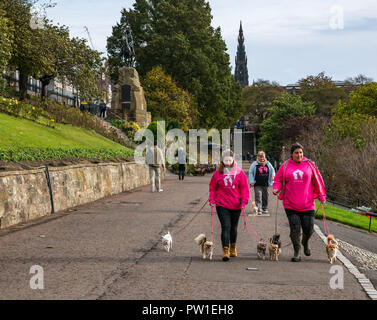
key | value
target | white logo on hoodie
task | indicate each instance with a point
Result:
(298, 172)
(226, 179)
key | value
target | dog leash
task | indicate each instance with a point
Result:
(325, 226)
(194, 216)
(213, 210)
(276, 215)
(246, 223)
(277, 198)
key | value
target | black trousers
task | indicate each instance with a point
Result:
(181, 171)
(300, 219)
(229, 223)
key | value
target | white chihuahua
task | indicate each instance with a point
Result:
(167, 241)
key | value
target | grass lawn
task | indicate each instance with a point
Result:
(344, 216)
(15, 132)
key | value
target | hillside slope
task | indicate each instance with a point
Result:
(16, 132)
(26, 141)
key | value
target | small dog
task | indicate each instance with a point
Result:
(167, 241)
(254, 208)
(331, 248)
(206, 247)
(274, 251)
(261, 250)
(276, 240)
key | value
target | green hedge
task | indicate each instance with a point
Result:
(40, 154)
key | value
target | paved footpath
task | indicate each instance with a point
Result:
(111, 249)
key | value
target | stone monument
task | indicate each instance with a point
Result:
(128, 100)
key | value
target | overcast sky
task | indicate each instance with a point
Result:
(285, 40)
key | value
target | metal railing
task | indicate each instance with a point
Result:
(357, 205)
(346, 200)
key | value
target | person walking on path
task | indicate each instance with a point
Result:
(229, 193)
(299, 182)
(261, 176)
(102, 108)
(155, 159)
(181, 154)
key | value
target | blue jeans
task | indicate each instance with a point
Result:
(229, 223)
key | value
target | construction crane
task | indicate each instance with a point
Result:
(90, 38)
(103, 76)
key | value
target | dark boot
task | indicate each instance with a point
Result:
(305, 243)
(295, 237)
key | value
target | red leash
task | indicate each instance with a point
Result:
(325, 226)
(213, 210)
(246, 223)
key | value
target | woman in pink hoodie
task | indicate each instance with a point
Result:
(299, 183)
(229, 192)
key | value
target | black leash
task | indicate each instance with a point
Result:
(192, 219)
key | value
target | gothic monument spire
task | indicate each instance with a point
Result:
(241, 75)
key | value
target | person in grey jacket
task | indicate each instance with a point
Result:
(261, 176)
(156, 160)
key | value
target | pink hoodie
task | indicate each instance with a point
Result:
(231, 190)
(304, 183)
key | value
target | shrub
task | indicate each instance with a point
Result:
(349, 169)
(40, 154)
(116, 122)
(130, 128)
(285, 107)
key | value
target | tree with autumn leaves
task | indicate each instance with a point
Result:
(6, 42)
(179, 37)
(46, 52)
(166, 100)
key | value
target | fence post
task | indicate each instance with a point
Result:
(50, 189)
(370, 223)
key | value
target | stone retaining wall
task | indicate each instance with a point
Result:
(24, 195)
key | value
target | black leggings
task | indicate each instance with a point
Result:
(181, 171)
(301, 219)
(229, 223)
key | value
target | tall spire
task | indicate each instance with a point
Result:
(241, 74)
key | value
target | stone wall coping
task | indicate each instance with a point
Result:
(63, 168)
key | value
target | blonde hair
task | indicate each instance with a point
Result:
(264, 155)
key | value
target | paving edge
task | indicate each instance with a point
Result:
(365, 283)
